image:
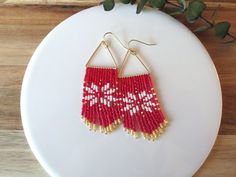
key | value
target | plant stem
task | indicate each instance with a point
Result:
(202, 18)
(206, 21)
(230, 35)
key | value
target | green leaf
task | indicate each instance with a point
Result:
(182, 3)
(157, 3)
(221, 29)
(194, 10)
(202, 28)
(108, 5)
(125, 1)
(140, 6)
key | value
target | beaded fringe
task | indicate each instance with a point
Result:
(109, 101)
(154, 135)
(108, 129)
(139, 107)
(99, 99)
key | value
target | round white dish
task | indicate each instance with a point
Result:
(183, 74)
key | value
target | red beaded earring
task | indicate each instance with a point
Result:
(100, 95)
(139, 107)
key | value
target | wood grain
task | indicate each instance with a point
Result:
(16, 157)
(18, 161)
(21, 30)
(218, 162)
(85, 3)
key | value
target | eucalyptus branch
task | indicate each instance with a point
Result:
(192, 12)
(211, 25)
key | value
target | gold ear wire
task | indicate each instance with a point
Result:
(102, 43)
(133, 52)
(110, 33)
(135, 40)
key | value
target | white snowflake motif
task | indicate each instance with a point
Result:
(103, 95)
(143, 101)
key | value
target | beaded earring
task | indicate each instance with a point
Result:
(139, 107)
(100, 95)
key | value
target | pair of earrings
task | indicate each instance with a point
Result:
(110, 99)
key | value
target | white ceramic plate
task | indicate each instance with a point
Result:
(183, 74)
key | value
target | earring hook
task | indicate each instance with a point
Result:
(135, 40)
(122, 44)
(110, 33)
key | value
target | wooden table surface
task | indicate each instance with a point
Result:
(23, 26)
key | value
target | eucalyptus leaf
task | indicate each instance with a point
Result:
(194, 10)
(202, 28)
(141, 5)
(157, 3)
(182, 3)
(125, 1)
(108, 5)
(221, 29)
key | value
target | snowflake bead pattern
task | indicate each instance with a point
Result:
(107, 98)
(99, 99)
(139, 107)
(104, 96)
(142, 97)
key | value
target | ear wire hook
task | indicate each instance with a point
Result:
(135, 40)
(133, 52)
(121, 43)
